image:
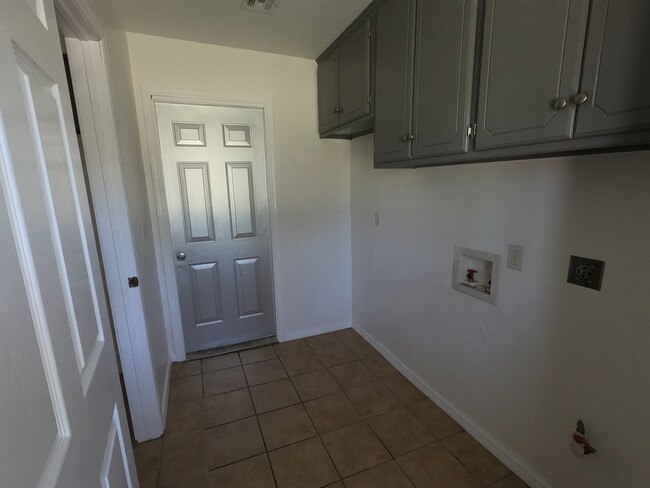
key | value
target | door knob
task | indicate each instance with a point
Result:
(180, 256)
(581, 98)
(560, 103)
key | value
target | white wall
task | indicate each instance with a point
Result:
(312, 176)
(549, 353)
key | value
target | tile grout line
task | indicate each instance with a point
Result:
(318, 434)
(463, 464)
(266, 449)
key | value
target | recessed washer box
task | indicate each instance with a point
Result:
(476, 273)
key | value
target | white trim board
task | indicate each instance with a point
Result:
(78, 21)
(158, 204)
(164, 393)
(504, 456)
(91, 82)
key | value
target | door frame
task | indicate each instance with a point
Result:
(158, 202)
(92, 86)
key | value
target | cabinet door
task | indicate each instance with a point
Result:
(328, 92)
(354, 74)
(616, 73)
(532, 56)
(444, 62)
(393, 110)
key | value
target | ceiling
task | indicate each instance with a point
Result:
(302, 28)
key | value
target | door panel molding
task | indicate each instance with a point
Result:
(249, 298)
(115, 462)
(241, 196)
(87, 344)
(197, 202)
(59, 446)
(205, 280)
(158, 206)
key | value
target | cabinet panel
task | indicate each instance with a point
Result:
(532, 56)
(444, 62)
(354, 74)
(395, 36)
(616, 73)
(328, 92)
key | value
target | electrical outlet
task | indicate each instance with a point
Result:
(585, 272)
(515, 257)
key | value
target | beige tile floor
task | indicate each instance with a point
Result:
(326, 411)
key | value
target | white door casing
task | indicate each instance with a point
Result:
(213, 162)
(62, 418)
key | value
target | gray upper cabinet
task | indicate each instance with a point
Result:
(395, 29)
(328, 92)
(530, 71)
(424, 103)
(344, 82)
(444, 66)
(458, 81)
(354, 74)
(616, 73)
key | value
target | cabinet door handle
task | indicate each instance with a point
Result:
(411, 137)
(407, 137)
(336, 110)
(560, 103)
(581, 98)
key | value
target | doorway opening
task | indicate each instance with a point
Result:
(217, 238)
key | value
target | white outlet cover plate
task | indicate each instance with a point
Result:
(515, 257)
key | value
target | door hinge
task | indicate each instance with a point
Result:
(471, 130)
(134, 282)
(370, 33)
(369, 99)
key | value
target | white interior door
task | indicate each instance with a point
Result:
(215, 182)
(61, 413)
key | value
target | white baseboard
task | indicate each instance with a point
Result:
(312, 332)
(505, 457)
(164, 400)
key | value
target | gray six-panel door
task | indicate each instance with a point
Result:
(614, 82)
(354, 74)
(394, 101)
(215, 182)
(444, 66)
(328, 92)
(530, 71)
